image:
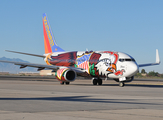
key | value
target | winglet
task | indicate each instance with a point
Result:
(49, 41)
(157, 57)
(150, 64)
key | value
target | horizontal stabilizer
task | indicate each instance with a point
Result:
(26, 53)
(150, 64)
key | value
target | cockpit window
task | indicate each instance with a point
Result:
(127, 59)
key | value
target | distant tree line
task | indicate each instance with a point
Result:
(150, 74)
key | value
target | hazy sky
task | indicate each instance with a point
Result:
(131, 26)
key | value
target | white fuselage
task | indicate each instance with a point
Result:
(97, 63)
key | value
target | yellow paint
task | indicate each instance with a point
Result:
(48, 32)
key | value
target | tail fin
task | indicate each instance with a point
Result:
(49, 41)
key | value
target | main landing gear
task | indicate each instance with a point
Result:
(96, 81)
(62, 83)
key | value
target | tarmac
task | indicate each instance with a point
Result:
(43, 98)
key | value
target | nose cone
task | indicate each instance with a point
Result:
(132, 69)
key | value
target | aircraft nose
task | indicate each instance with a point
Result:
(133, 69)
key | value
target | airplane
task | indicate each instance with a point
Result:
(99, 65)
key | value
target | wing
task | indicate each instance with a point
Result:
(150, 64)
(42, 66)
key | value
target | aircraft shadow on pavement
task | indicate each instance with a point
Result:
(83, 99)
(137, 85)
(150, 86)
(126, 85)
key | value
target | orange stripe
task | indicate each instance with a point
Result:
(46, 41)
(45, 46)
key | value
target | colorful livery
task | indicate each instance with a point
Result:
(96, 64)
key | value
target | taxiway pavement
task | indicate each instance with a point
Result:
(30, 98)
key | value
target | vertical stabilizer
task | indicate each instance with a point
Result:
(49, 41)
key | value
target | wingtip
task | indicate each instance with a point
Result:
(157, 57)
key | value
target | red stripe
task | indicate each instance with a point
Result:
(46, 40)
(84, 65)
(60, 72)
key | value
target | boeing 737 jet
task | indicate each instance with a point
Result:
(99, 65)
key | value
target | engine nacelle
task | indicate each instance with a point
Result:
(65, 74)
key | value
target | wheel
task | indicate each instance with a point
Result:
(62, 83)
(121, 84)
(99, 81)
(94, 81)
(67, 83)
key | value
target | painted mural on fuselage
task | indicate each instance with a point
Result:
(99, 64)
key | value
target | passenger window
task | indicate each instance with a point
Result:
(121, 60)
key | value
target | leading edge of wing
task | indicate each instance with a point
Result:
(26, 53)
(42, 66)
(150, 64)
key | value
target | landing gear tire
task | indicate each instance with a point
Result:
(62, 83)
(94, 81)
(67, 83)
(97, 81)
(121, 84)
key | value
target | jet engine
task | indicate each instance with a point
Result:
(65, 75)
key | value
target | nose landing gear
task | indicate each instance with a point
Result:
(121, 84)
